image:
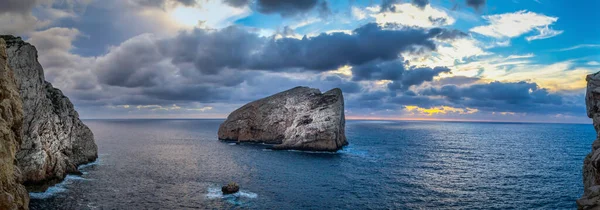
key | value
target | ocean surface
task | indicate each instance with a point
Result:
(180, 164)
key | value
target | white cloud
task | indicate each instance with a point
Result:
(545, 33)
(409, 15)
(578, 47)
(448, 53)
(358, 13)
(510, 25)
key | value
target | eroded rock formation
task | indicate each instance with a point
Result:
(591, 164)
(12, 194)
(301, 118)
(55, 141)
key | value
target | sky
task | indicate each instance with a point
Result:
(474, 60)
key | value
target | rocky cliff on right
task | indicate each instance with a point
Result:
(301, 118)
(591, 164)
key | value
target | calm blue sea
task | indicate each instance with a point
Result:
(180, 164)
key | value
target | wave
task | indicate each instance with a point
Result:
(215, 193)
(57, 188)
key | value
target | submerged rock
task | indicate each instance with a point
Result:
(230, 188)
(55, 141)
(12, 194)
(591, 164)
(301, 118)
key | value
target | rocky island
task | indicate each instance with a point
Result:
(591, 164)
(301, 118)
(43, 138)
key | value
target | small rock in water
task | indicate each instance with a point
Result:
(230, 188)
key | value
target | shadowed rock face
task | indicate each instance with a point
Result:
(591, 164)
(12, 194)
(55, 141)
(300, 118)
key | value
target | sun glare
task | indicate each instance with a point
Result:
(187, 16)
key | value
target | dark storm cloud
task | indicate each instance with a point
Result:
(134, 63)
(346, 86)
(447, 34)
(499, 96)
(163, 3)
(285, 8)
(456, 80)
(417, 76)
(237, 3)
(235, 47)
(179, 92)
(401, 76)
(388, 5)
(18, 6)
(329, 51)
(476, 4)
(212, 50)
(377, 70)
(420, 3)
(323, 9)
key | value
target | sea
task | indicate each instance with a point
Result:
(180, 164)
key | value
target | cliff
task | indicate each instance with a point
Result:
(55, 141)
(12, 194)
(591, 164)
(301, 118)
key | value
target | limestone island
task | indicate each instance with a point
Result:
(301, 118)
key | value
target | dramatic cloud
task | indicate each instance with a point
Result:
(283, 8)
(18, 6)
(164, 3)
(400, 76)
(408, 14)
(510, 25)
(420, 3)
(237, 3)
(476, 4)
(235, 47)
(498, 96)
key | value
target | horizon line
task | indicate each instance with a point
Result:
(368, 119)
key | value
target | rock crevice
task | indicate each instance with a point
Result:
(301, 118)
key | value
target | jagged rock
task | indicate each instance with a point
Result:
(55, 141)
(230, 188)
(591, 164)
(300, 118)
(12, 194)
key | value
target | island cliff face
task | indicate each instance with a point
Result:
(55, 141)
(591, 164)
(12, 194)
(301, 118)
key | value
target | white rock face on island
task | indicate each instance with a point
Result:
(301, 118)
(55, 141)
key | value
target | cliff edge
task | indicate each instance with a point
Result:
(591, 164)
(12, 194)
(55, 141)
(301, 118)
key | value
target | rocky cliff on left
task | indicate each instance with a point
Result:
(55, 140)
(12, 194)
